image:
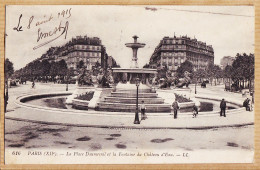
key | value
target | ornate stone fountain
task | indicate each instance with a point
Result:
(127, 76)
(123, 98)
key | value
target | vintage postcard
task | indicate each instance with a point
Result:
(135, 84)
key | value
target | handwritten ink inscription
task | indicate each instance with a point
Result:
(18, 27)
(51, 35)
(43, 35)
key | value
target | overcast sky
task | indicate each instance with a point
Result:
(115, 26)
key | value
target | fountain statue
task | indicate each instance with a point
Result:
(84, 78)
(127, 76)
(184, 81)
(123, 97)
(135, 47)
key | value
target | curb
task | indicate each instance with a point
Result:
(129, 127)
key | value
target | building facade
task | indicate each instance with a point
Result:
(82, 48)
(226, 60)
(172, 51)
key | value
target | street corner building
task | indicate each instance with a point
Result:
(172, 51)
(82, 48)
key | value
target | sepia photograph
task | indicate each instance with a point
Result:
(129, 84)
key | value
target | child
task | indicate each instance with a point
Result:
(195, 111)
(143, 108)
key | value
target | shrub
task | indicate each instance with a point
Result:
(87, 96)
(181, 99)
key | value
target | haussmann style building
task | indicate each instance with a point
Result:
(172, 51)
(82, 48)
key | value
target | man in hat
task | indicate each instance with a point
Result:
(223, 108)
(195, 111)
(143, 108)
(175, 109)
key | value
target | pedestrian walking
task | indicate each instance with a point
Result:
(223, 105)
(249, 104)
(246, 104)
(195, 111)
(143, 108)
(5, 101)
(175, 108)
(33, 84)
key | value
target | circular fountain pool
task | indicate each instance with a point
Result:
(206, 105)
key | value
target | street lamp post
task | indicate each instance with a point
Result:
(136, 111)
(196, 86)
(67, 86)
(67, 81)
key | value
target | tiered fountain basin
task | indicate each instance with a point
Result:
(123, 99)
(80, 104)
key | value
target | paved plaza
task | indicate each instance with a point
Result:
(20, 134)
(27, 127)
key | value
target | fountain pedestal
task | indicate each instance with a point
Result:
(124, 97)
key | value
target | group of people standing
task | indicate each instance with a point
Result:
(176, 107)
(223, 106)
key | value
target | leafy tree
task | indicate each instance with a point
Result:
(238, 67)
(185, 66)
(200, 74)
(162, 72)
(58, 69)
(45, 66)
(214, 72)
(228, 71)
(62, 68)
(227, 74)
(243, 69)
(9, 68)
(36, 68)
(54, 69)
(146, 66)
(217, 73)
(116, 65)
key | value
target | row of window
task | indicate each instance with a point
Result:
(175, 67)
(174, 42)
(178, 61)
(196, 44)
(85, 54)
(173, 54)
(87, 47)
(173, 60)
(173, 46)
(77, 60)
(203, 62)
(198, 50)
